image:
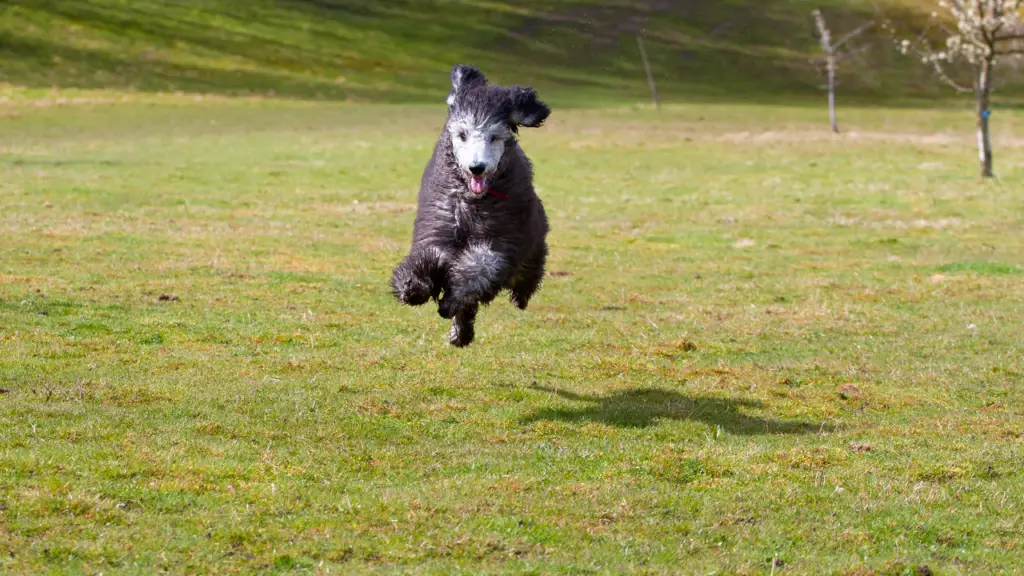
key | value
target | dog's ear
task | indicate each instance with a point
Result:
(527, 110)
(463, 77)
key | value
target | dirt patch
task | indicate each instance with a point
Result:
(357, 207)
(797, 136)
(848, 391)
(920, 223)
(673, 135)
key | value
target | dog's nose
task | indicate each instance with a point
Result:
(477, 169)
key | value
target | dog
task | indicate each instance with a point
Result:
(480, 228)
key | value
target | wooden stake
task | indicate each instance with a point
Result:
(647, 69)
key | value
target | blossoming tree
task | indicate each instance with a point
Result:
(979, 33)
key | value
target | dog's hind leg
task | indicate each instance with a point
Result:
(529, 278)
(420, 276)
(462, 331)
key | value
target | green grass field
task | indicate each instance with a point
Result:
(759, 343)
(761, 348)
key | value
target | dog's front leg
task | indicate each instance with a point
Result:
(421, 275)
(475, 277)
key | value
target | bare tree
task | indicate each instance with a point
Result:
(978, 33)
(832, 57)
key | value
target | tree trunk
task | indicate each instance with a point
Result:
(983, 89)
(825, 37)
(832, 91)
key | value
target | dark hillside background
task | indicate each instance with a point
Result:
(579, 53)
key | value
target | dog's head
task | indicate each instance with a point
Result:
(483, 119)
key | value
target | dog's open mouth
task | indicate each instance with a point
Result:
(478, 184)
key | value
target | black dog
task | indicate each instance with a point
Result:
(479, 228)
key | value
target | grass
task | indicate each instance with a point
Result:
(579, 52)
(759, 344)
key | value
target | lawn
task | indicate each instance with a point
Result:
(761, 348)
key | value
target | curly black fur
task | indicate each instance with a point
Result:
(468, 247)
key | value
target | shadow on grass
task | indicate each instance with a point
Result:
(643, 407)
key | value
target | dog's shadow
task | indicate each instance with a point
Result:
(643, 407)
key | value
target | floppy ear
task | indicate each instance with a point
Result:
(526, 109)
(463, 77)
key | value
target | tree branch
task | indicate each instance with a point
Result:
(853, 34)
(920, 38)
(824, 35)
(941, 73)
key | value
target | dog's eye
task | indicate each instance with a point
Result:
(492, 139)
(462, 136)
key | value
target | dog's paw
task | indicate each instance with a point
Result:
(460, 336)
(520, 300)
(413, 291)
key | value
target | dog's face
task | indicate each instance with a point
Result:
(479, 144)
(482, 122)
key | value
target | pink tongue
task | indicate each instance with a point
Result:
(477, 184)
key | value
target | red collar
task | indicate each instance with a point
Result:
(494, 192)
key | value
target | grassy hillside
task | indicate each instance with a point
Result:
(401, 50)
